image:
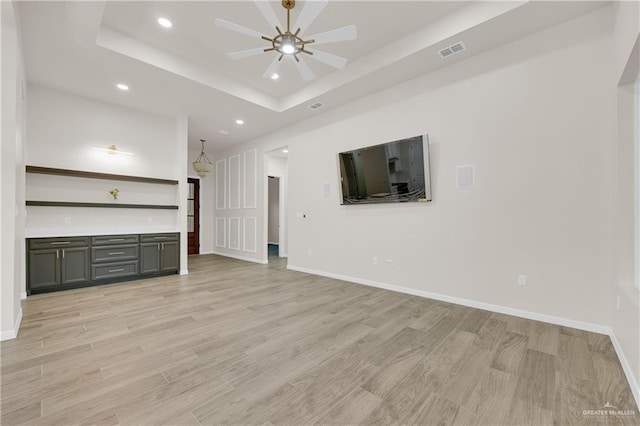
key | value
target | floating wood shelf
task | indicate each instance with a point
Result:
(94, 175)
(101, 205)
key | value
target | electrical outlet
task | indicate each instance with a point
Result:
(375, 260)
(618, 302)
(309, 252)
(522, 279)
(389, 263)
(67, 220)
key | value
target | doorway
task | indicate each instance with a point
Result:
(273, 220)
(193, 216)
(275, 211)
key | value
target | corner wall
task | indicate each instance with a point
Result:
(12, 213)
(626, 278)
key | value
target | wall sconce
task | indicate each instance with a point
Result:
(113, 150)
(202, 165)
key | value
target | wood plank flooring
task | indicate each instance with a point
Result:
(241, 343)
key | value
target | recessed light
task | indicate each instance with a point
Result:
(238, 121)
(165, 22)
(224, 132)
(122, 86)
(286, 151)
(275, 76)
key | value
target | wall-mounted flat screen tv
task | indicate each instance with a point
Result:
(393, 172)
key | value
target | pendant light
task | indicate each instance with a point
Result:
(202, 165)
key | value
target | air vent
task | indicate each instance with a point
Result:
(446, 52)
(316, 106)
(453, 49)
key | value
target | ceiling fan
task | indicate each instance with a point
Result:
(292, 43)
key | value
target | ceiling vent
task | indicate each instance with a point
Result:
(452, 50)
(316, 106)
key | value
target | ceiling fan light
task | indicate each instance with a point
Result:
(288, 44)
(288, 48)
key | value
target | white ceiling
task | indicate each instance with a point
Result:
(87, 47)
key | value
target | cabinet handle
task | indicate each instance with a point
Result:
(63, 253)
(57, 254)
(159, 238)
(116, 239)
(158, 246)
(59, 243)
(116, 252)
(162, 246)
(116, 270)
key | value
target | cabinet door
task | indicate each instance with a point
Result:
(75, 265)
(149, 258)
(170, 256)
(44, 268)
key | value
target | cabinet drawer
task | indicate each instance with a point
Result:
(49, 243)
(114, 253)
(158, 238)
(114, 239)
(114, 270)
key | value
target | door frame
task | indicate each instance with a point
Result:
(281, 213)
(197, 180)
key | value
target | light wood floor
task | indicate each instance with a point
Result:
(242, 343)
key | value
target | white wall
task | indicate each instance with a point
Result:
(626, 307)
(63, 131)
(12, 257)
(535, 118)
(238, 204)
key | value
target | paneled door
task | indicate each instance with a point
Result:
(193, 216)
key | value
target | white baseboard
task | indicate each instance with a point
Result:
(12, 334)
(184, 272)
(581, 325)
(23, 295)
(239, 257)
(595, 328)
(633, 383)
(205, 252)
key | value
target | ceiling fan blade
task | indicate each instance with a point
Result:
(310, 11)
(339, 34)
(273, 68)
(237, 28)
(245, 53)
(267, 11)
(329, 59)
(305, 71)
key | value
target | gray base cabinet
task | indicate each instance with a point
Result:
(75, 265)
(149, 258)
(44, 268)
(159, 253)
(63, 263)
(55, 262)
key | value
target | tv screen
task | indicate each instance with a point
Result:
(393, 172)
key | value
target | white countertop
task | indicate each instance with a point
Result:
(82, 232)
